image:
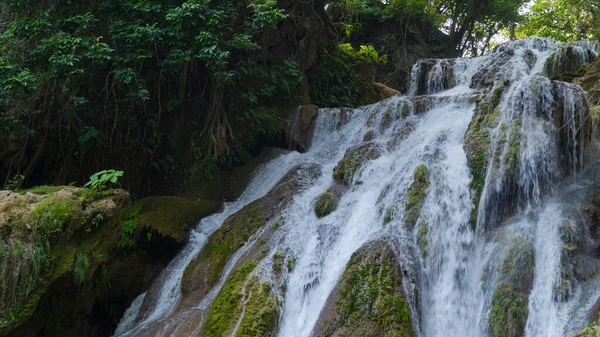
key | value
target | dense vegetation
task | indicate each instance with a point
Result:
(166, 89)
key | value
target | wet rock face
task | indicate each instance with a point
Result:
(486, 77)
(353, 161)
(590, 82)
(369, 300)
(245, 307)
(204, 271)
(434, 75)
(514, 283)
(568, 60)
(328, 201)
(300, 127)
(415, 197)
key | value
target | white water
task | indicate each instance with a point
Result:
(455, 293)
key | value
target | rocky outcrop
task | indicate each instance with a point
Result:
(353, 161)
(369, 299)
(513, 285)
(433, 76)
(225, 185)
(205, 270)
(54, 243)
(478, 141)
(590, 82)
(415, 196)
(85, 252)
(300, 127)
(173, 217)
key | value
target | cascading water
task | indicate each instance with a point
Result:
(532, 133)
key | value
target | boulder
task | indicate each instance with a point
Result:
(54, 243)
(353, 161)
(514, 282)
(300, 126)
(369, 298)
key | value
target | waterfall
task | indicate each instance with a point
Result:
(503, 147)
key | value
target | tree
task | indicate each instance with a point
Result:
(563, 20)
(471, 24)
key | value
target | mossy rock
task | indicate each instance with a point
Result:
(328, 201)
(509, 311)
(369, 299)
(205, 269)
(245, 307)
(353, 161)
(422, 240)
(63, 236)
(477, 142)
(173, 217)
(514, 283)
(416, 196)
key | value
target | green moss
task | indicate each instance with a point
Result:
(518, 264)
(353, 160)
(174, 216)
(42, 190)
(416, 196)
(226, 241)
(290, 263)
(57, 235)
(422, 240)
(369, 136)
(278, 263)
(515, 280)
(386, 120)
(478, 141)
(389, 215)
(325, 204)
(371, 290)
(509, 311)
(225, 306)
(245, 295)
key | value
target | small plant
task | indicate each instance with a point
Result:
(82, 264)
(15, 183)
(99, 180)
(130, 216)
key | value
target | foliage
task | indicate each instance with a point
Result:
(471, 25)
(563, 20)
(344, 75)
(130, 217)
(127, 81)
(80, 268)
(15, 183)
(99, 180)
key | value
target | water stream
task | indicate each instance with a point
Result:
(531, 154)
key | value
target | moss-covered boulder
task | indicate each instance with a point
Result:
(205, 270)
(328, 201)
(53, 243)
(415, 196)
(353, 161)
(174, 217)
(245, 307)
(228, 185)
(369, 299)
(514, 282)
